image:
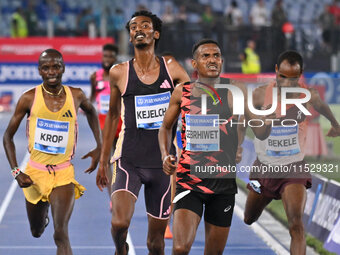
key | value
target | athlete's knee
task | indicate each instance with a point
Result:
(156, 246)
(60, 236)
(181, 249)
(37, 232)
(295, 225)
(119, 226)
(249, 219)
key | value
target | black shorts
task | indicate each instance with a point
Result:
(157, 188)
(219, 208)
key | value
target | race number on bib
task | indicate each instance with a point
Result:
(104, 103)
(150, 110)
(51, 136)
(202, 132)
(283, 141)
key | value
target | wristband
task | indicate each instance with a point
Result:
(15, 172)
(166, 157)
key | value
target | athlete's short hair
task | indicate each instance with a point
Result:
(111, 47)
(50, 51)
(156, 22)
(201, 42)
(292, 57)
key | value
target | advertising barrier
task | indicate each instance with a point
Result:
(19, 63)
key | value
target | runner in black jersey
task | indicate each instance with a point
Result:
(140, 94)
(214, 190)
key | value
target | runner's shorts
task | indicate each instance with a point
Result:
(46, 180)
(219, 208)
(157, 188)
(274, 187)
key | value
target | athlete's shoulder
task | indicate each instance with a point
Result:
(315, 95)
(176, 70)
(261, 89)
(117, 69)
(28, 94)
(25, 101)
(76, 92)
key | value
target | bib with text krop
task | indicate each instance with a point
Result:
(51, 136)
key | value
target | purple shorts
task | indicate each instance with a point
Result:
(274, 187)
(157, 187)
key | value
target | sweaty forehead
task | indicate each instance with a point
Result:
(50, 58)
(140, 19)
(208, 48)
(290, 70)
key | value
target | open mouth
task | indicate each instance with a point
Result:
(52, 79)
(139, 36)
(212, 67)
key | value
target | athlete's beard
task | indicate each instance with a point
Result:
(106, 68)
(141, 46)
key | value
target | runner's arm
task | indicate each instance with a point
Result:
(323, 108)
(92, 119)
(110, 127)
(23, 107)
(165, 132)
(263, 131)
(93, 87)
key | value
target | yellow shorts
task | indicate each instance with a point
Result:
(45, 182)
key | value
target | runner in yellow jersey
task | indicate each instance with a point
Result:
(51, 110)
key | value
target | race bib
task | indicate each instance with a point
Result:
(150, 110)
(51, 136)
(202, 132)
(283, 141)
(104, 103)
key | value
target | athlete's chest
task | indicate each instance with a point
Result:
(148, 77)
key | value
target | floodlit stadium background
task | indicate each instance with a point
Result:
(79, 28)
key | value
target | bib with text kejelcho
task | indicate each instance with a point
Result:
(51, 136)
(202, 132)
(104, 103)
(283, 141)
(150, 110)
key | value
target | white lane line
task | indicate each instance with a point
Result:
(260, 231)
(139, 247)
(12, 188)
(131, 247)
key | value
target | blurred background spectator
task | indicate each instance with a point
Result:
(233, 15)
(311, 27)
(250, 60)
(259, 14)
(18, 24)
(327, 22)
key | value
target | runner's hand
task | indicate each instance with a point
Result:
(239, 155)
(95, 155)
(169, 164)
(101, 179)
(24, 180)
(334, 132)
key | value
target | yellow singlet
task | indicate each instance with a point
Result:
(52, 135)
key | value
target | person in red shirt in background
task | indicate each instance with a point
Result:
(100, 93)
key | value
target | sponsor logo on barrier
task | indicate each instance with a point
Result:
(28, 73)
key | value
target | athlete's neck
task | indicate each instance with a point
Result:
(53, 91)
(145, 59)
(209, 81)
